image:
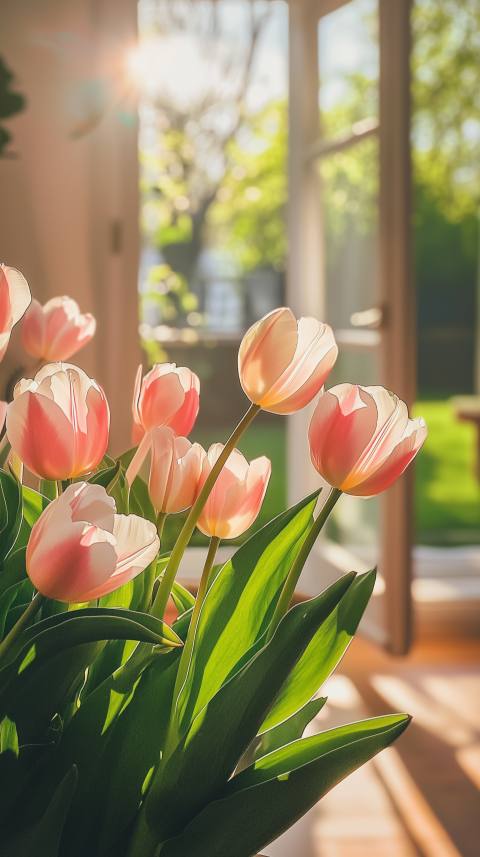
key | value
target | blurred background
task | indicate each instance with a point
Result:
(182, 167)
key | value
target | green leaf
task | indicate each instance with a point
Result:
(33, 505)
(324, 652)
(9, 737)
(106, 462)
(14, 569)
(3, 511)
(240, 603)
(126, 457)
(118, 489)
(265, 800)
(11, 507)
(41, 837)
(207, 755)
(182, 598)
(111, 783)
(182, 624)
(140, 503)
(104, 477)
(6, 601)
(67, 630)
(285, 733)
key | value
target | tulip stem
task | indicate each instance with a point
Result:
(49, 489)
(300, 560)
(4, 449)
(202, 591)
(17, 467)
(24, 622)
(165, 588)
(160, 522)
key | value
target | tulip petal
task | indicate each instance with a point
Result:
(395, 464)
(48, 450)
(33, 330)
(69, 561)
(349, 433)
(137, 545)
(20, 296)
(265, 353)
(160, 400)
(91, 503)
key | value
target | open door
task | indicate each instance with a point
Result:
(350, 260)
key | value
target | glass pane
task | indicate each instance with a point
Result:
(349, 188)
(349, 68)
(213, 151)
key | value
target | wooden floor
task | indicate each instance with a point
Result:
(421, 798)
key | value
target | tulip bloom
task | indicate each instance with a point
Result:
(236, 497)
(58, 423)
(283, 363)
(57, 330)
(14, 299)
(79, 549)
(175, 469)
(361, 438)
(167, 396)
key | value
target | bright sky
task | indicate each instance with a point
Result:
(180, 67)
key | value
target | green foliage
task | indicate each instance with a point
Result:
(248, 212)
(205, 758)
(280, 787)
(10, 103)
(250, 584)
(446, 100)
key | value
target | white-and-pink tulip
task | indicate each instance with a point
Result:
(57, 330)
(361, 438)
(167, 396)
(283, 363)
(237, 496)
(14, 299)
(175, 468)
(80, 549)
(58, 423)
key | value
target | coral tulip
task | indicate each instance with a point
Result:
(361, 438)
(79, 549)
(14, 299)
(167, 396)
(175, 469)
(57, 330)
(283, 363)
(236, 497)
(58, 423)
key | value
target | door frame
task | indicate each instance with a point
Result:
(305, 270)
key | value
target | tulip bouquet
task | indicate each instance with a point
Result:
(122, 735)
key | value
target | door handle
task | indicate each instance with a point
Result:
(367, 318)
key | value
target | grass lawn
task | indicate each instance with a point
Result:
(447, 494)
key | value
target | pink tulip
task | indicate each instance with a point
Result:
(58, 423)
(167, 396)
(57, 330)
(236, 497)
(79, 549)
(283, 363)
(361, 438)
(14, 299)
(175, 469)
